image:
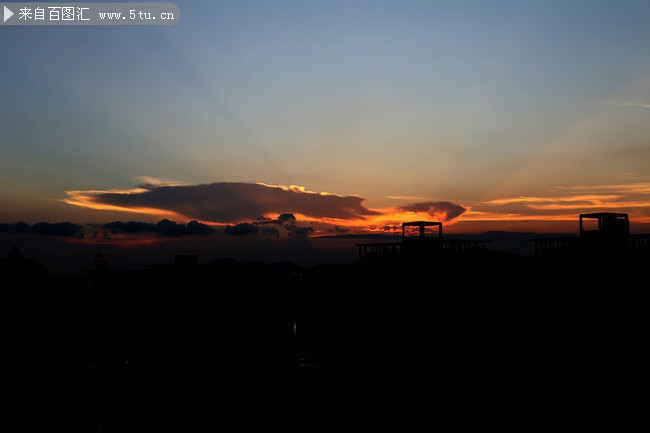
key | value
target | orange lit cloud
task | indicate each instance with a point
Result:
(223, 202)
(236, 202)
(88, 199)
(566, 203)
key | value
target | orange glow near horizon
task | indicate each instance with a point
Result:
(548, 212)
(120, 240)
(388, 218)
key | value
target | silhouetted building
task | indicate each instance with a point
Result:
(100, 266)
(18, 270)
(99, 274)
(417, 241)
(611, 232)
(421, 242)
(15, 256)
(604, 233)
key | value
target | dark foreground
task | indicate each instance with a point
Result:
(486, 338)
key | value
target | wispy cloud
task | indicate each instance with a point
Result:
(624, 188)
(626, 104)
(406, 197)
(534, 200)
(147, 181)
(566, 202)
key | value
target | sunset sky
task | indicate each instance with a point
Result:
(343, 116)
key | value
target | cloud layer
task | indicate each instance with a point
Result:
(260, 209)
(67, 229)
(164, 227)
(272, 211)
(440, 210)
(566, 203)
(227, 202)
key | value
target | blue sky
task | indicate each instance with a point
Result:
(473, 102)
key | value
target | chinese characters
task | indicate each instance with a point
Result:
(54, 13)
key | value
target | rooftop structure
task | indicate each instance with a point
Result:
(421, 225)
(599, 232)
(417, 241)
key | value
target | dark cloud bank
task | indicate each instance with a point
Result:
(265, 227)
(262, 227)
(226, 202)
(67, 229)
(285, 223)
(164, 227)
(446, 210)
